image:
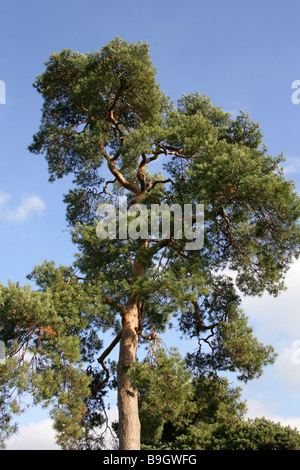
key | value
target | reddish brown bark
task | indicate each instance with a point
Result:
(129, 422)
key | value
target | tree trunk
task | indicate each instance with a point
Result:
(129, 422)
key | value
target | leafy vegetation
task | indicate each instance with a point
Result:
(106, 122)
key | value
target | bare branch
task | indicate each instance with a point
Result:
(104, 191)
(154, 183)
(118, 175)
(114, 303)
(199, 319)
(101, 361)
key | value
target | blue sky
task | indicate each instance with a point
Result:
(242, 54)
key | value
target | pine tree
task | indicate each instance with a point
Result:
(182, 410)
(106, 122)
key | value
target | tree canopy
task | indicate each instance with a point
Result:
(181, 411)
(106, 122)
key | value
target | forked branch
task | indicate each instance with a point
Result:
(101, 362)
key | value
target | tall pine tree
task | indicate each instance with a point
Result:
(106, 122)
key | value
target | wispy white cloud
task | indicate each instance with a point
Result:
(287, 368)
(41, 435)
(291, 165)
(28, 206)
(277, 318)
(4, 198)
(276, 321)
(34, 436)
(257, 410)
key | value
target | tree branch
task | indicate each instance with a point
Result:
(101, 361)
(116, 304)
(199, 319)
(154, 183)
(118, 175)
(104, 191)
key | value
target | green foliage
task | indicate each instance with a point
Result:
(256, 434)
(13, 376)
(164, 391)
(232, 348)
(105, 121)
(83, 95)
(49, 334)
(179, 411)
